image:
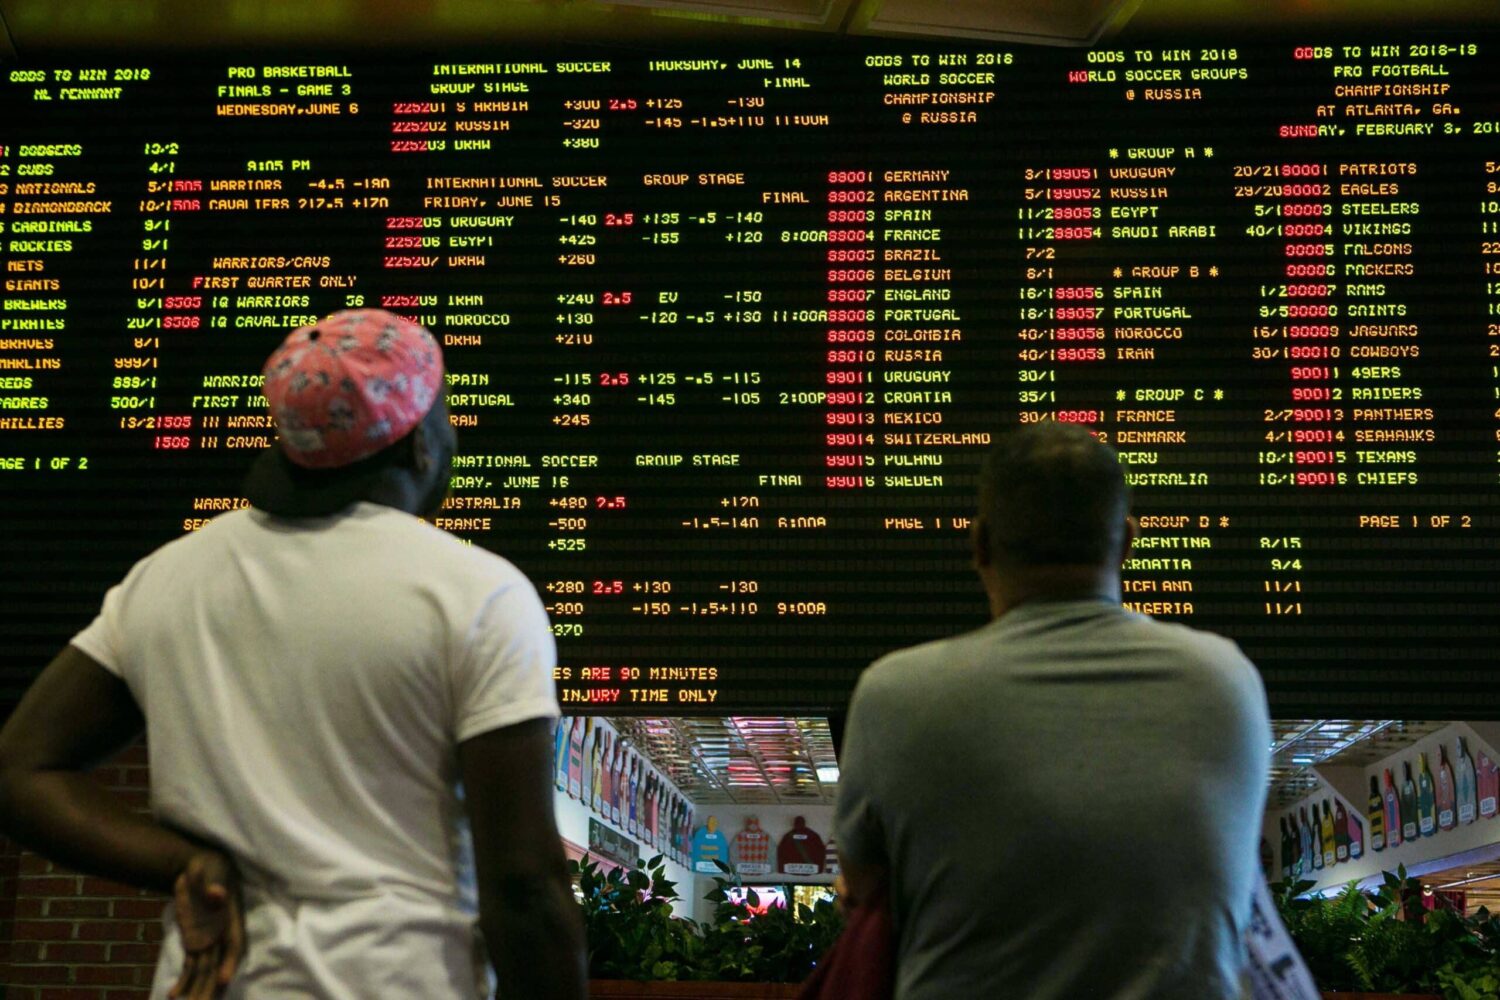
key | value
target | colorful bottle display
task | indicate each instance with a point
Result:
(1447, 792)
(1325, 835)
(669, 826)
(1288, 857)
(649, 810)
(560, 736)
(619, 781)
(643, 799)
(1340, 829)
(658, 810)
(1487, 786)
(1375, 815)
(591, 780)
(1393, 831)
(1432, 795)
(606, 772)
(679, 810)
(1408, 803)
(621, 787)
(1426, 798)
(632, 820)
(1467, 797)
(1312, 842)
(643, 812)
(584, 788)
(653, 812)
(575, 759)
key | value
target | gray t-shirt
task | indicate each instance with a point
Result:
(1069, 800)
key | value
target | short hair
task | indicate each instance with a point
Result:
(1053, 494)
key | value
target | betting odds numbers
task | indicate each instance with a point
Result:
(728, 333)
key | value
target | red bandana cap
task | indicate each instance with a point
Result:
(351, 384)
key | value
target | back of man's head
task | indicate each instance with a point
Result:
(358, 402)
(1052, 494)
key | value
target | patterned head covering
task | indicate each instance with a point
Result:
(351, 384)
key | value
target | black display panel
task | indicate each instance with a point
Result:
(729, 330)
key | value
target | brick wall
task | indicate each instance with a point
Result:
(10, 859)
(65, 936)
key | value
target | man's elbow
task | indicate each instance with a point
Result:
(12, 778)
(521, 890)
(520, 907)
(20, 772)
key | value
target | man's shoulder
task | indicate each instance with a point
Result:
(1208, 650)
(1189, 641)
(921, 666)
(903, 660)
(419, 531)
(1212, 660)
(1213, 668)
(367, 533)
(202, 538)
(444, 559)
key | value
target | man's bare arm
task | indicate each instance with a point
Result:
(76, 715)
(532, 925)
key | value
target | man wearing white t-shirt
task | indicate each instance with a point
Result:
(318, 676)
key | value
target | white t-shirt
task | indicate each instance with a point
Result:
(305, 683)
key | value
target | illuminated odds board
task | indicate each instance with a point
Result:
(729, 330)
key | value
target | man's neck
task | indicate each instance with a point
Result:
(396, 491)
(1013, 587)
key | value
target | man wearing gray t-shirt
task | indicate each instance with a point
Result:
(1066, 803)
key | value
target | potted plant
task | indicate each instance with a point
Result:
(778, 945)
(638, 948)
(1388, 943)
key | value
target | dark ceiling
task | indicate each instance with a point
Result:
(33, 27)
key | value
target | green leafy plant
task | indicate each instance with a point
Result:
(780, 945)
(633, 934)
(1389, 942)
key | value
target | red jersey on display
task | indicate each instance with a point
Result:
(801, 851)
(752, 849)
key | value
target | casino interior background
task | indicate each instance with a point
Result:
(761, 762)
